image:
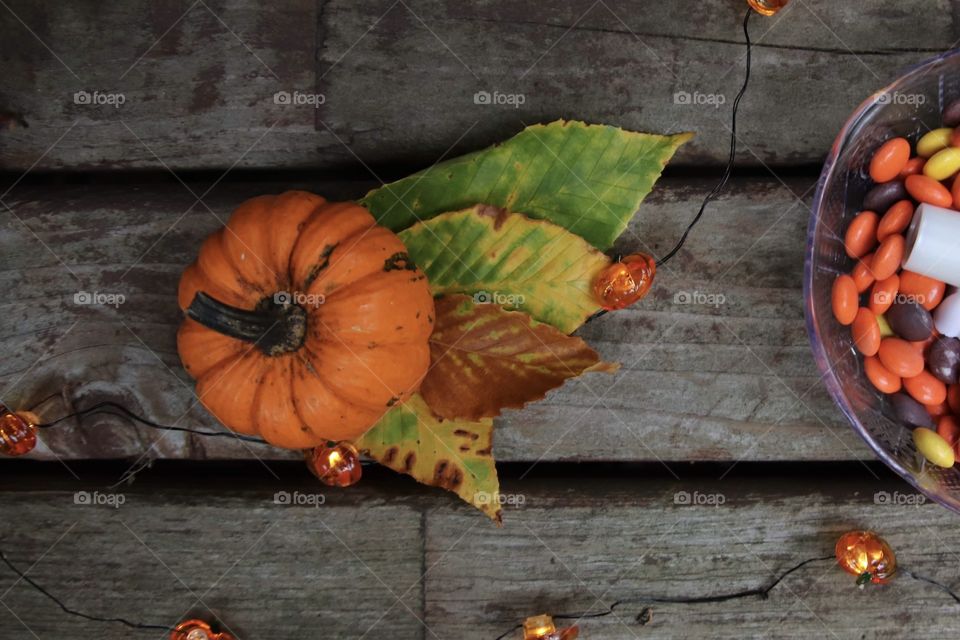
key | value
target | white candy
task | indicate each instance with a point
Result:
(933, 244)
(946, 317)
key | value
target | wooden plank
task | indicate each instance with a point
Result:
(572, 546)
(398, 80)
(268, 570)
(716, 364)
(582, 549)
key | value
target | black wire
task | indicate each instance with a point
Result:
(728, 170)
(110, 408)
(74, 612)
(761, 592)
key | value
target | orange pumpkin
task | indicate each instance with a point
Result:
(306, 321)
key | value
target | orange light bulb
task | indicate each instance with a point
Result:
(767, 7)
(336, 464)
(18, 432)
(622, 283)
(867, 556)
(197, 630)
(542, 628)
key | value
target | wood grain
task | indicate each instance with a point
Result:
(716, 363)
(274, 571)
(398, 79)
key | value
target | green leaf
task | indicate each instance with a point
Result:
(589, 179)
(456, 455)
(508, 259)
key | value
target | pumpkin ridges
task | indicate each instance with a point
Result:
(371, 376)
(321, 235)
(246, 245)
(325, 411)
(214, 274)
(275, 413)
(229, 402)
(373, 308)
(205, 349)
(359, 256)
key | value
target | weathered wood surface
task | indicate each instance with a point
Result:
(716, 363)
(398, 79)
(274, 571)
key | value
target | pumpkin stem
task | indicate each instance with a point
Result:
(275, 327)
(864, 578)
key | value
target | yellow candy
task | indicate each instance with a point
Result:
(885, 330)
(943, 164)
(933, 141)
(933, 447)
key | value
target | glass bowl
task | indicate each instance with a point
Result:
(909, 107)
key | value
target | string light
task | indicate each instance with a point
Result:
(336, 464)
(197, 630)
(18, 432)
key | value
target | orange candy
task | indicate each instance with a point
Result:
(937, 410)
(955, 189)
(861, 235)
(889, 160)
(887, 257)
(844, 299)
(900, 357)
(953, 397)
(882, 294)
(948, 429)
(913, 167)
(881, 377)
(925, 388)
(926, 291)
(866, 332)
(895, 220)
(926, 189)
(862, 275)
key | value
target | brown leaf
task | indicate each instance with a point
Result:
(484, 359)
